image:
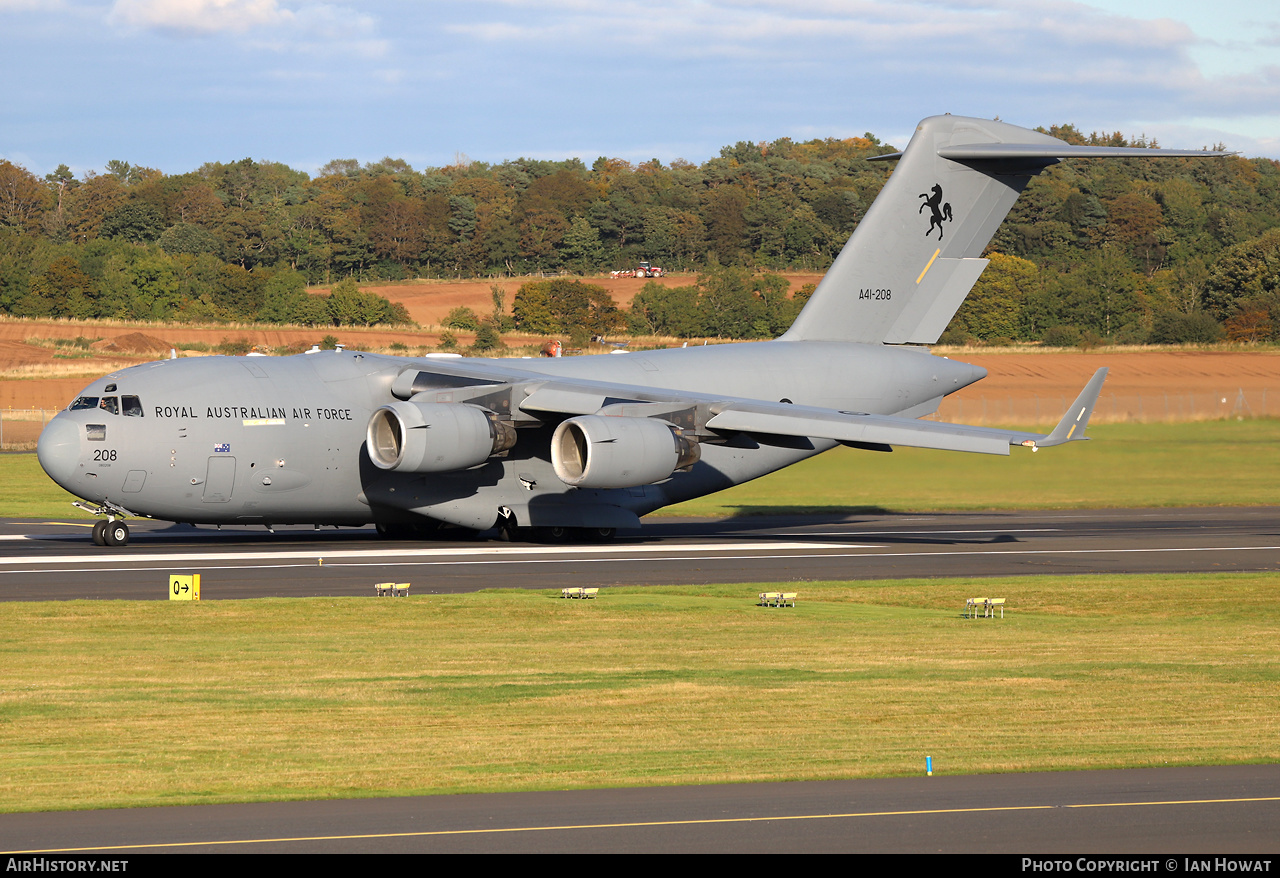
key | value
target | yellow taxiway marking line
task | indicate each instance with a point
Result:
(88, 524)
(642, 824)
(1175, 802)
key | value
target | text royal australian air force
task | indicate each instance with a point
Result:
(280, 414)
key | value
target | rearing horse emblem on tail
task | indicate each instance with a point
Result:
(937, 210)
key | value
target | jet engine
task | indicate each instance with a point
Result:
(597, 452)
(433, 437)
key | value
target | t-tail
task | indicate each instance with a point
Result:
(918, 251)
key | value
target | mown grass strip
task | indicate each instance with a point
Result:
(29, 493)
(1209, 463)
(112, 704)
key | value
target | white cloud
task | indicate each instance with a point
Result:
(497, 78)
(909, 28)
(199, 16)
(321, 29)
(303, 27)
(1071, 56)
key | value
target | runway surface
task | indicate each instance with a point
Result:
(1233, 809)
(56, 561)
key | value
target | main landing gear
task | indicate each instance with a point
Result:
(554, 534)
(111, 533)
(562, 535)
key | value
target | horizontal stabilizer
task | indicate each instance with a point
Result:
(1034, 151)
(1025, 151)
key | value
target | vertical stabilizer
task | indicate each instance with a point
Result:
(917, 252)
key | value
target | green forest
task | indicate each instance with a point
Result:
(1119, 251)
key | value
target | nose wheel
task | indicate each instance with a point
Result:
(110, 533)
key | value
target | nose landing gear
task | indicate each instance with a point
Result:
(111, 533)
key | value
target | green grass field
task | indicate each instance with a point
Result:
(110, 704)
(29, 493)
(1207, 463)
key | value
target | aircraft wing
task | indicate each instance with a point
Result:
(537, 395)
(860, 429)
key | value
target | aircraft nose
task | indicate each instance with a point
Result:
(59, 450)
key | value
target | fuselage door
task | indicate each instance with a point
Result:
(134, 481)
(220, 479)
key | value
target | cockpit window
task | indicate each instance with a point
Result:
(132, 407)
(110, 404)
(84, 402)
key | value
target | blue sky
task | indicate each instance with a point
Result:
(174, 83)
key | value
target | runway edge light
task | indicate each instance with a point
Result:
(928, 766)
(184, 587)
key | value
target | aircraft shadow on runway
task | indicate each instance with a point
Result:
(756, 526)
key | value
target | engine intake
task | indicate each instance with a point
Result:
(432, 437)
(596, 452)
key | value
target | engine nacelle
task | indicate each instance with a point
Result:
(595, 452)
(434, 437)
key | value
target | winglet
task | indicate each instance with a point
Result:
(1072, 426)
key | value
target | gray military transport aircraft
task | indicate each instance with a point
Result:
(586, 445)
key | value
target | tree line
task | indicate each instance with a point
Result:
(1126, 251)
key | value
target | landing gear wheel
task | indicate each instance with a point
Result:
(601, 534)
(512, 533)
(508, 529)
(431, 530)
(116, 533)
(100, 533)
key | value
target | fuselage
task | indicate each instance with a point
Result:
(266, 440)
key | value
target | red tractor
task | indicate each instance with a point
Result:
(645, 270)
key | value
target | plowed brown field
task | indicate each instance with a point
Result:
(1142, 385)
(429, 301)
(1022, 386)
